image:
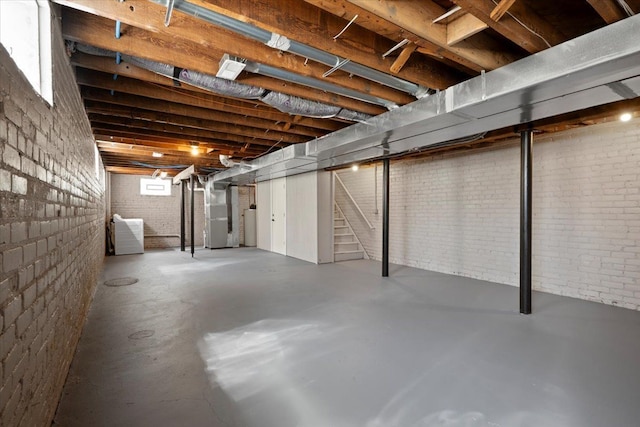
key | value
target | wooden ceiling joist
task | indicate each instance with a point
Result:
(309, 25)
(532, 33)
(124, 69)
(250, 116)
(193, 49)
(136, 113)
(463, 27)
(179, 96)
(169, 156)
(402, 59)
(125, 114)
(225, 141)
(501, 8)
(163, 143)
(609, 10)
(133, 160)
(376, 24)
(221, 132)
(188, 132)
(416, 17)
(130, 170)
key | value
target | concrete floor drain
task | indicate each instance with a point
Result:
(146, 333)
(123, 281)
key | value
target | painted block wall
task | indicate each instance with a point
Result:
(459, 213)
(161, 214)
(51, 237)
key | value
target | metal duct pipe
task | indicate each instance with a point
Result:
(269, 71)
(226, 161)
(286, 103)
(294, 105)
(280, 42)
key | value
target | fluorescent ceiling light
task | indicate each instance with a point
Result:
(230, 68)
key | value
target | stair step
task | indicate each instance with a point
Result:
(344, 238)
(348, 255)
(346, 246)
(345, 243)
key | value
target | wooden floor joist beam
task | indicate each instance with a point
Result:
(101, 101)
(529, 31)
(416, 18)
(177, 45)
(314, 27)
(125, 115)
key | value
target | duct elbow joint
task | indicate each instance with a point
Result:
(227, 162)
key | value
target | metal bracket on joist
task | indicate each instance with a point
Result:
(118, 55)
(340, 64)
(167, 17)
(396, 47)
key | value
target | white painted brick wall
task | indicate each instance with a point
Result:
(51, 237)
(161, 214)
(459, 213)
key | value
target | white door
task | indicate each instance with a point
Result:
(278, 216)
(263, 215)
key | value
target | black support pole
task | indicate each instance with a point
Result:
(193, 204)
(526, 162)
(183, 203)
(385, 218)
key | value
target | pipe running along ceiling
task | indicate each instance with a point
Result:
(282, 102)
(280, 42)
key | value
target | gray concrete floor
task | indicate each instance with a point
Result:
(242, 337)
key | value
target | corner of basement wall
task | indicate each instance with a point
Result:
(52, 214)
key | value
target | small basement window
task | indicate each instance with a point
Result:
(154, 186)
(25, 32)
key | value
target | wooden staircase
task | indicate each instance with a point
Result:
(345, 243)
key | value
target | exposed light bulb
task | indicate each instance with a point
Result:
(625, 117)
(355, 168)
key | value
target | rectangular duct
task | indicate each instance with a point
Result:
(595, 69)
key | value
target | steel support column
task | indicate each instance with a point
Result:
(526, 190)
(193, 204)
(385, 218)
(183, 203)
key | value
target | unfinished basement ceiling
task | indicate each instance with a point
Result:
(151, 88)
